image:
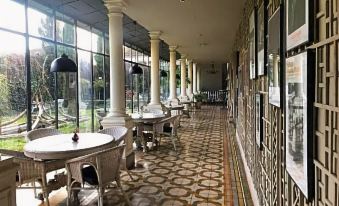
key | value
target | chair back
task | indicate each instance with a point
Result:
(118, 132)
(106, 164)
(173, 121)
(39, 133)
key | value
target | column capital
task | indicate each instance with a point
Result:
(173, 48)
(155, 35)
(190, 61)
(183, 57)
(115, 7)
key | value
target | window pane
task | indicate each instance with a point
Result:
(42, 82)
(12, 15)
(40, 22)
(140, 58)
(99, 89)
(65, 32)
(134, 55)
(97, 42)
(146, 80)
(106, 45)
(128, 87)
(84, 38)
(12, 87)
(85, 90)
(67, 94)
(107, 73)
(128, 53)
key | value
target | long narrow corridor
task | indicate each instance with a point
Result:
(197, 175)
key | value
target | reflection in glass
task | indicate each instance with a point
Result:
(65, 32)
(83, 38)
(67, 94)
(42, 83)
(85, 91)
(12, 84)
(128, 87)
(40, 22)
(10, 10)
(97, 42)
(99, 89)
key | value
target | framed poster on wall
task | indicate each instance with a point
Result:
(258, 119)
(297, 22)
(299, 116)
(261, 43)
(274, 59)
(252, 46)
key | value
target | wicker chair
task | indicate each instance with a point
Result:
(161, 130)
(32, 171)
(39, 133)
(99, 169)
(119, 133)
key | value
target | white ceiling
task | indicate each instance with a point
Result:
(204, 29)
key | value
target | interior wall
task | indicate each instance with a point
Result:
(211, 78)
(267, 166)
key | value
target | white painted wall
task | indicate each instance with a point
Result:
(210, 81)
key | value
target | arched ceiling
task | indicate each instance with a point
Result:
(204, 29)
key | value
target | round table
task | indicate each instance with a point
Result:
(147, 117)
(62, 146)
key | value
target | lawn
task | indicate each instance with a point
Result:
(13, 143)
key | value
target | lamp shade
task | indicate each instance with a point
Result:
(136, 69)
(163, 73)
(63, 64)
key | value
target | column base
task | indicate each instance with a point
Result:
(126, 121)
(184, 98)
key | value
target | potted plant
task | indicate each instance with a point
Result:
(198, 99)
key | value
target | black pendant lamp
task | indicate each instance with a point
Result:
(136, 69)
(163, 73)
(63, 64)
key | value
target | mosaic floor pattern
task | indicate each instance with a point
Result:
(192, 176)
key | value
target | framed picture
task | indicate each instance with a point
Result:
(274, 58)
(297, 22)
(299, 100)
(252, 46)
(258, 119)
(262, 42)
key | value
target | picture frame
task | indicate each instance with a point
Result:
(275, 57)
(299, 98)
(259, 125)
(297, 22)
(262, 39)
(252, 45)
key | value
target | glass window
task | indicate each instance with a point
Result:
(146, 80)
(85, 90)
(99, 90)
(106, 45)
(128, 87)
(128, 53)
(40, 21)
(67, 94)
(12, 86)
(107, 75)
(10, 10)
(134, 55)
(84, 37)
(65, 32)
(140, 58)
(42, 82)
(146, 59)
(97, 42)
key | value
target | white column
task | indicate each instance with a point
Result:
(155, 72)
(198, 79)
(117, 112)
(183, 95)
(173, 78)
(194, 78)
(190, 77)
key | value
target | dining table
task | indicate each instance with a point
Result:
(63, 147)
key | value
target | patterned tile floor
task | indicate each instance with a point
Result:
(193, 176)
